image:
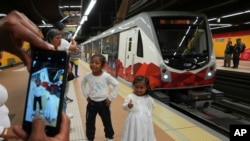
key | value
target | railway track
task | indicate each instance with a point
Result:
(232, 109)
(206, 117)
(235, 85)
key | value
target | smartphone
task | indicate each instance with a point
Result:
(46, 87)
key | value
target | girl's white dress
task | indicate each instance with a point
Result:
(138, 124)
(51, 107)
(4, 111)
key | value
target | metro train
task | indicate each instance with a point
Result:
(173, 49)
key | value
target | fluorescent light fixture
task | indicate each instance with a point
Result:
(235, 14)
(90, 7)
(231, 15)
(71, 25)
(220, 24)
(43, 22)
(212, 19)
(77, 30)
(64, 18)
(75, 6)
(85, 17)
(247, 23)
(46, 25)
(70, 6)
(220, 27)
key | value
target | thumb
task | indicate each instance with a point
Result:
(38, 127)
(130, 101)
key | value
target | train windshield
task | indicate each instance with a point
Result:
(183, 41)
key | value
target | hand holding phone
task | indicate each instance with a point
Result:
(38, 133)
(45, 93)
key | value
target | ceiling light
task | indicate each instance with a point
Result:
(91, 5)
(43, 22)
(64, 18)
(45, 25)
(235, 14)
(220, 24)
(231, 15)
(220, 27)
(218, 20)
(85, 16)
(247, 23)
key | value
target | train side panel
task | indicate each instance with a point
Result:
(138, 56)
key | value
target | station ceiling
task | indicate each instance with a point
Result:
(105, 12)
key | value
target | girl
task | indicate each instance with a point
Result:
(50, 112)
(5, 124)
(75, 55)
(139, 125)
(98, 97)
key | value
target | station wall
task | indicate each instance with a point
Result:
(220, 41)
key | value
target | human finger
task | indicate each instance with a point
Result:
(25, 21)
(20, 132)
(21, 28)
(37, 132)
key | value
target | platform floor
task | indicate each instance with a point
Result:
(169, 125)
(244, 66)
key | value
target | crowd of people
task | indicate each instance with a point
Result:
(16, 28)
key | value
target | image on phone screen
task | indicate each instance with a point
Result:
(46, 88)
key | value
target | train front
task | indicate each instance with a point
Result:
(186, 47)
(188, 67)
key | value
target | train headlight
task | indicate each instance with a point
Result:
(209, 74)
(165, 76)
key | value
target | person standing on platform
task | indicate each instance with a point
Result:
(74, 58)
(68, 44)
(5, 124)
(239, 47)
(38, 93)
(98, 97)
(228, 53)
(54, 37)
(138, 124)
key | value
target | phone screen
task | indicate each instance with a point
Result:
(45, 93)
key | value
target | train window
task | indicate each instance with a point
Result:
(130, 44)
(139, 45)
(182, 41)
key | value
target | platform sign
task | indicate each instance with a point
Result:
(239, 132)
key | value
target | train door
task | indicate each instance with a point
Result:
(131, 42)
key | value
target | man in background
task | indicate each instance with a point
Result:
(239, 47)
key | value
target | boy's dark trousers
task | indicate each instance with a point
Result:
(39, 99)
(103, 110)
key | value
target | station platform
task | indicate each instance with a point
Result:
(169, 124)
(244, 66)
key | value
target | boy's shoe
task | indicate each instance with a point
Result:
(41, 112)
